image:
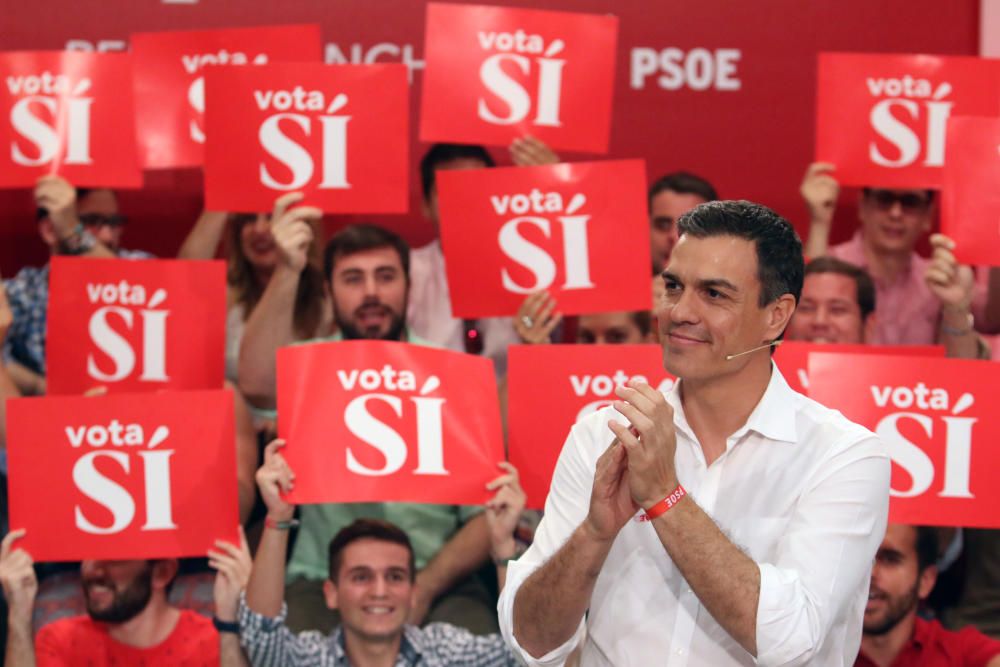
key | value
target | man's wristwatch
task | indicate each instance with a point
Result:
(226, 626)
(77, 243)
(519, 549)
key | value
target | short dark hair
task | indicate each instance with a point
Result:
(358, 238)
(643, 320)
(373, 529)
(438, 154)
(865, 286)
(780, 266)
(927, 546)
(683, 183)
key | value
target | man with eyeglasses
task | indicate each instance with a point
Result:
(912, 296)
(85, 223)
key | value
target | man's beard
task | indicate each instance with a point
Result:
(350, 331)
(896, 610)
(125, 604)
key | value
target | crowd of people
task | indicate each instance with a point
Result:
(408, 584)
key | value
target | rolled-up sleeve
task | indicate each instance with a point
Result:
(826, 554)
(565, 509)
(268, 641)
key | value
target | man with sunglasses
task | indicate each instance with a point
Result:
(913, 298)
(84, 223)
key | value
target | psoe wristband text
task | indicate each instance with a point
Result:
(661, 508)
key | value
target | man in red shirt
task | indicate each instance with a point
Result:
(129, 620)
(894, 636)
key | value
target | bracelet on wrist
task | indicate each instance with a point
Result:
(226, 626)
(662, 507)
(519, 549)
(954, 331)
(280, 525)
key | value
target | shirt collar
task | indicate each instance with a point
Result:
(773, 418)
(411, 647)
(923, 633)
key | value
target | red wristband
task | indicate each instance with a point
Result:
(661, 507)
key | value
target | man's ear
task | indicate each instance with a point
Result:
(779, 315)
(164, 571)
(47, 232)
(926, 582)
(330, 594)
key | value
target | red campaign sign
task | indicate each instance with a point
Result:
(170, 88)
(938, 421)
(970, 200)
(580, 231)
(882, 118)
(792, 357)
(122, 477)
(336, 132)
(496, 73)
(135, 325)
(379, 421)
(67, 113)
(551, 387)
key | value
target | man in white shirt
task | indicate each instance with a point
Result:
(763, 509)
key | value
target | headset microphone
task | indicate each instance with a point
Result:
(774, 343)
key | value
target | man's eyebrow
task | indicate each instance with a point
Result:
(706, 283)
(714, 283)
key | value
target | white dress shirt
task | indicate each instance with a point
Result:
(429, 313)
(800, 489)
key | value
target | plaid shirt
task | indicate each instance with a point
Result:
(28, 294)
(269, 643)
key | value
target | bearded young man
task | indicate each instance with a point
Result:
(904, 574)
(129, 619)
(367, 272)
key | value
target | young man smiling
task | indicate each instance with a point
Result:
(372, 582)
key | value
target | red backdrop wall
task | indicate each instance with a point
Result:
(752, 142)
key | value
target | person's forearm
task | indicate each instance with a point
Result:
(460, 556)
(202, 241)
(266, 589)
(230, 653)
(20, 651)
(818, 242)
(960, 340)
(726, 581)
(27, 381)
(270, 326)
(246, 455)
(550, 604)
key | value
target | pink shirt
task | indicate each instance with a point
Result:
(906, 311)
(429, 313)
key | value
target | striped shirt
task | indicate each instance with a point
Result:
(269, 643)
